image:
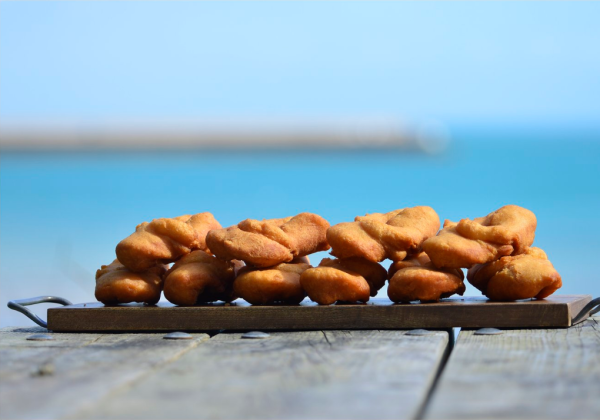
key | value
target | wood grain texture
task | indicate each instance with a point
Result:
(291, 375)
(555, 311)
(524, 374)
(52, 379)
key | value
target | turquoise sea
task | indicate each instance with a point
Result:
(62, 213)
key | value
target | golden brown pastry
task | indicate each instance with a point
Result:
(510, 230)
(199, 277)
(418, 279)
(278, 284)
(165, 240)
(115, 283)
(523, 276)
(378, 236)
(347, 280)
(270, 242)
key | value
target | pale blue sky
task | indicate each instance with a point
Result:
(461, 63)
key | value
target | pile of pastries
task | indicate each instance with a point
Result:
(266, 262)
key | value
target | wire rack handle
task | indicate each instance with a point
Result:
(20, 306)
(592, 307)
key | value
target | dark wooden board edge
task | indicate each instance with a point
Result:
(352, 317)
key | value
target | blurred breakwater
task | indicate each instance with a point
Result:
(246, 135)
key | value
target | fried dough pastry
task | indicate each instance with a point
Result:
(199, 277)
(523, 276)
(348, 280)
(165, 240)
(115, 283)
(278, 284)
(507, 231)
(270, 242)
(418, 279)
(378, 236)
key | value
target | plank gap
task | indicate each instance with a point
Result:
(534, 373)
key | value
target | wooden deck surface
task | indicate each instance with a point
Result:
(542, 373)
(547, 374)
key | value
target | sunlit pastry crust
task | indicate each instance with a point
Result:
(418, 279)
(378, 236)
(347, 280)
(270, 242)
(165, 240)
(198, 278)
(115, 284)
(509, 230)
(278, 284)
(523, 276)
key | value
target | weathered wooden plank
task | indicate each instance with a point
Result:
(52, 379)
(522, 374)
(19, 355)
(291, 375)
(16, 337)
(555, 311)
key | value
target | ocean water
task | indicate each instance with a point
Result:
(61, 214)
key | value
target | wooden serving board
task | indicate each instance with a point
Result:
(467, 312)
